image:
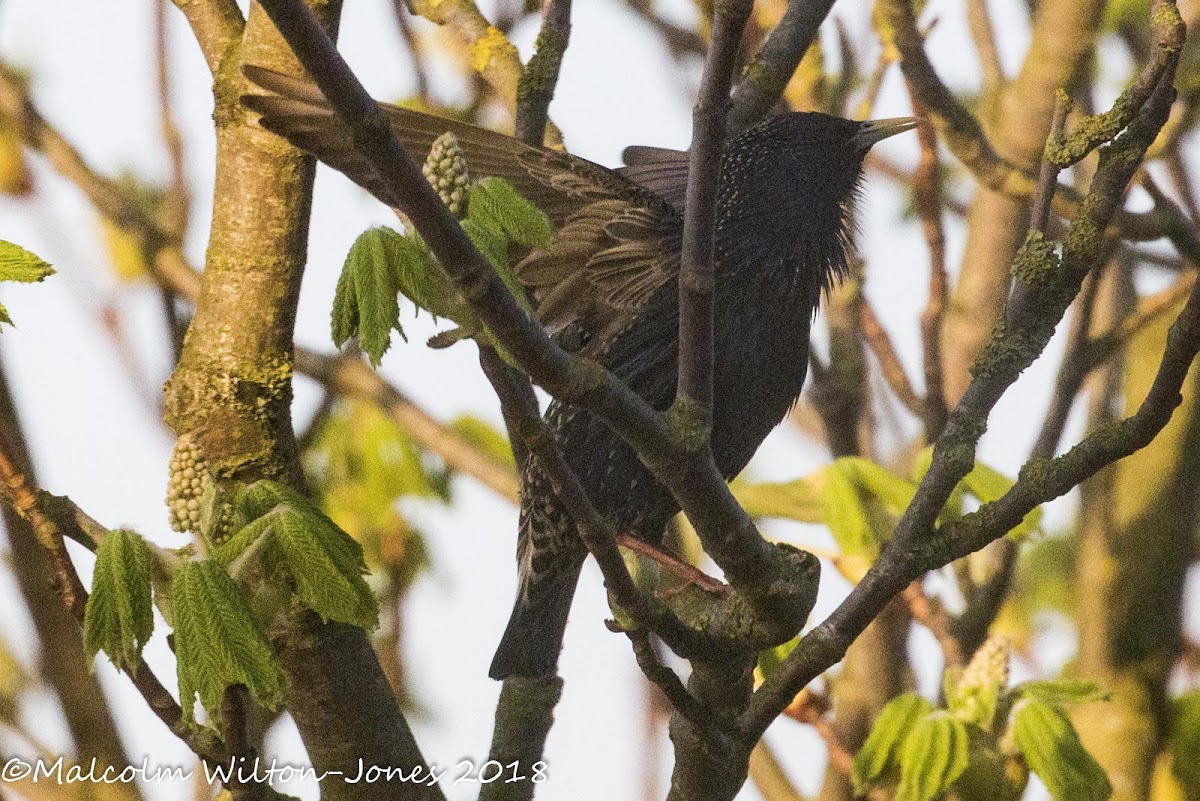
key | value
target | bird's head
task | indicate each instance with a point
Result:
(788, 187)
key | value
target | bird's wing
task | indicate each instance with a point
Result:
(606, 261)
(658, 170)
(558, 183)
(616, 242)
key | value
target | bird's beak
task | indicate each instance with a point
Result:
(872, 131)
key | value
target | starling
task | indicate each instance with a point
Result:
(607, 289)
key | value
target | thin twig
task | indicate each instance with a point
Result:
(694, 397)
(769, 72)
(1071, 372)
(984, 37)
(1048, 178)
(679, 41)
(492, 54)
(930, 201)
(881, 345)
(666, 680)
(412, 43)
(536, 87)
(933, 616)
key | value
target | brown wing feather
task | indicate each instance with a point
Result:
(617, 241)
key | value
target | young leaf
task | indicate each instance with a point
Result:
(119, 617)
(423, 281)
(801, 499)
(1184, 743)
(327, 565)
(325, 562)
(845, 514)
(485, 438)
(1051, 748)
(988, 484)
(1062, 692)
(370, 265)
(496, 200)
(893, 491)
(343, 322)
(217, 643)
(492, 243)
(18, 264)
(880, 753)
(935, 754)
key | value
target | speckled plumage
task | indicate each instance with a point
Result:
(607, 289)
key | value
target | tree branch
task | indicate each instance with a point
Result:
(535, 89)
(768, 74)
(1038, 302)
(516, 395)
(693, 399)
(31, 504)
(217, 26)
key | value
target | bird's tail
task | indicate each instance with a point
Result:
(534, 634)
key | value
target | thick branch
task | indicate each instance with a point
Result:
(217, 26)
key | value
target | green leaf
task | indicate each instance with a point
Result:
(484, 437)
(261, 497)
(845, 513)
(423, 281)
(1047, 740)
(343, 321)
(119, 617)
(880, 753)
(217, 643)
(801, 500)
(229, 550)
(327, 565)
(496, 201)
(1062, 692)
(893, 491)
(371, 266)
(934, 755)
(988, 484)
(771, 658)
(18, 264)
(1184, 743)
(492, 243)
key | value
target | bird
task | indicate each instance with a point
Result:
(607, 289)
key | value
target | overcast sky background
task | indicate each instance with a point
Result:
(100, 440)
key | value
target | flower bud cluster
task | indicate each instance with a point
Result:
(446, 171)
(187, 477)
